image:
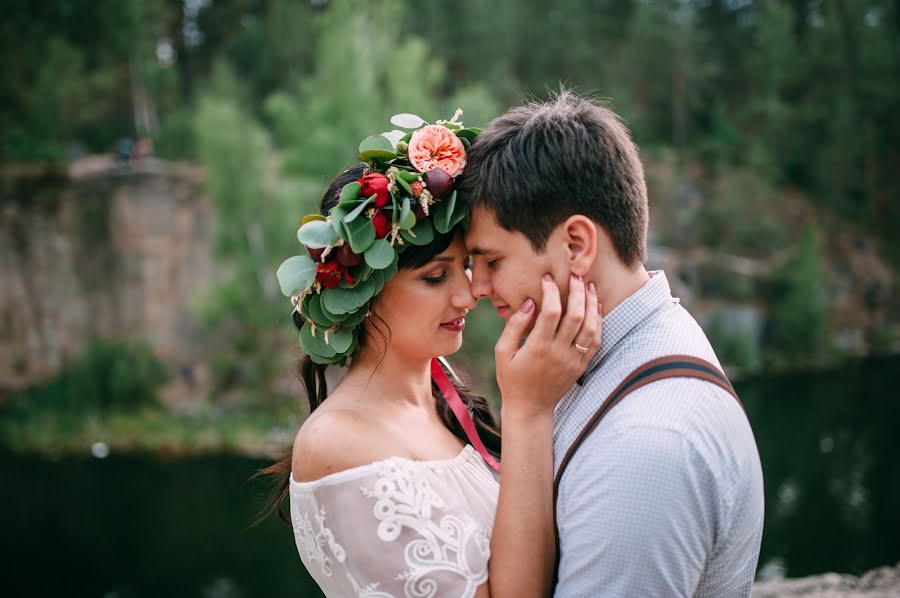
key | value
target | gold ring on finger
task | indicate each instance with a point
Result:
(582, 350)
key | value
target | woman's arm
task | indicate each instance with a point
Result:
(533, 377)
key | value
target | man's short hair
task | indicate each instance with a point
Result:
(541, 163)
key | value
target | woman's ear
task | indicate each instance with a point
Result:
(581, 241)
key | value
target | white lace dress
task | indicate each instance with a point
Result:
(398, 528)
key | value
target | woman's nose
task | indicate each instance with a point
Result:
(462, 294)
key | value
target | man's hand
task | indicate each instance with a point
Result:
(534, 376)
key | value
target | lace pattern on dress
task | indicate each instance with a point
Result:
(313, 542)
(404, 498)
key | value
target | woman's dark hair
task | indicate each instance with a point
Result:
(313, 374)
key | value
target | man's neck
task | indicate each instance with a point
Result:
(616, 283)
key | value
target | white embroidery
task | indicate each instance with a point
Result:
(405, 499)
(312, 542)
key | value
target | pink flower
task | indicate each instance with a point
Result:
(436, 146)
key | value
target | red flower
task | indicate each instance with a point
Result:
(382, 225)
(329, 275)
(375, 184)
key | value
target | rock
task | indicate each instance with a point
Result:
(883, 582)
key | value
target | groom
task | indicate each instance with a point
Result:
(659, 489)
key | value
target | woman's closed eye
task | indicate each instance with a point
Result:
(435, 278)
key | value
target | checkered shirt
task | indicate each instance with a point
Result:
(665, 498)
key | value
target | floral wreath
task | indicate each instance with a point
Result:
(405, 195)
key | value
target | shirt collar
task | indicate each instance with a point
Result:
(627, 315)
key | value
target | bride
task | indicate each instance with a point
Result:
(394, 479)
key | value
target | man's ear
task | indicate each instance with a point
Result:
(581, 241)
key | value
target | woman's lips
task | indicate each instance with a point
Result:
(456, 325)
(502, 310)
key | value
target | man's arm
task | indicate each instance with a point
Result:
(637, 514)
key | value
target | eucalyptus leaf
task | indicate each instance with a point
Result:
(311, 218)
(317, 234)
(407, 217)
(376, 142)
(360, 233)
(338, 213)
(350, 192)
(356, 318)
(466, 144)
(341, 339)
(322, 317)
(443, 213)
(407, 121)
(315, 345)
(380, 155)
(342, 301)
(296, 274)
(394, 137)
(379, 255)
(358, 209)
(423, 231)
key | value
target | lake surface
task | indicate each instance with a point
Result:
(129, 526)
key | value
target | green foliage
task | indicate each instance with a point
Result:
(797, 304)
(106, 377)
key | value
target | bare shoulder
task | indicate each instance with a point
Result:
(333, 440)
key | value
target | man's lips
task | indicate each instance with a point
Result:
(454, 325)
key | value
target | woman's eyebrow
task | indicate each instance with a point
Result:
(443, 258)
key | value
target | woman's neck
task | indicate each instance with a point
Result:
(391, 382)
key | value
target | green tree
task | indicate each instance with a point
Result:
(797, 305)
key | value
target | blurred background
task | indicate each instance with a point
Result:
(155, 160)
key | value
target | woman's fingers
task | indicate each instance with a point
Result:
(589, 335)
(551, 309)
(513, 332)
(573, 321)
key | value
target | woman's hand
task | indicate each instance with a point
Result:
(533, 376)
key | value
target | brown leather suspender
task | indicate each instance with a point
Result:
(672, 366)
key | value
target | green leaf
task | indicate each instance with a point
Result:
(341, 339)
(375, 142)
(317, 234)
(311, 218)
(409, 177)
(318, 314)
(423, 231)
(407, 217)
(342, 301)
(469, 133)
(443, 213)
(360, 233)
(315, 345)
(338, 213)
(407, 121)
(405, 185)
(379, 255)
(356, 318)
(350, 192)
(466, 143)
(388, 272)
(358, 209)
(376, 147)
(296, 274)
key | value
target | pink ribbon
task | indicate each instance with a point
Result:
(461, 413)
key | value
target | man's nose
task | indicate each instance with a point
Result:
(481, 282)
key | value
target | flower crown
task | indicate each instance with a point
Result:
(404, 197)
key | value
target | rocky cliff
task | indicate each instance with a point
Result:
(103, 250)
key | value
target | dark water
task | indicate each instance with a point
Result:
(142, 526)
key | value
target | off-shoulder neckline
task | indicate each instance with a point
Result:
(465, 454)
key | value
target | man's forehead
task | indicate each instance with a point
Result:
(481, 236)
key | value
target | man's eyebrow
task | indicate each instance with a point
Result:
(480, 251)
